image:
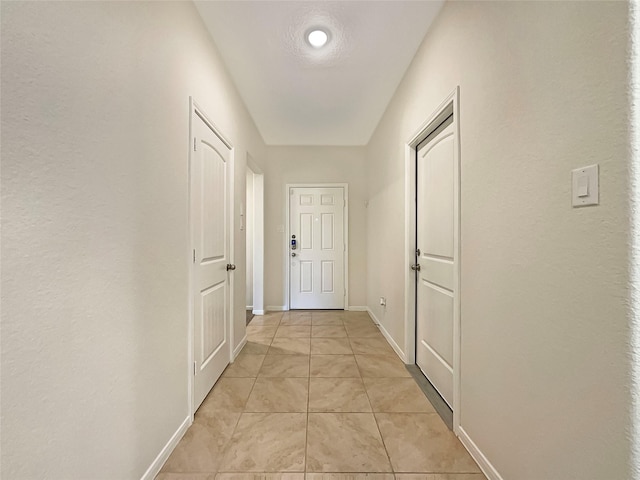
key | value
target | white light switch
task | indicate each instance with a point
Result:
(583, 186)
(585, 189)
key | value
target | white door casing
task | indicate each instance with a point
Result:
(317, 265)
(437, 257)
(210, 233)
(258, 236)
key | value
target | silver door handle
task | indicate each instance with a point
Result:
(415, 267)
(230, 266)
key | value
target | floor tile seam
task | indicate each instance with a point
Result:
(275, 411)
(257, 472)
(255, 377)
(375, 419)
(383, 411)
(256, 316)
(355, 359)
(262, 333)
(391, 472)
(339, 411)
(253, 386)
(338, 472)
(318, 336)
(223, 450)
(306, 433)
(351, 473)
(370, 472)
(438, 473)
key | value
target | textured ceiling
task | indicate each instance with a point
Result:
(299, 95)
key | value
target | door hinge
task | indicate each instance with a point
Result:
(195, 145)
(194, 255)
(194, 368)
(417, 252)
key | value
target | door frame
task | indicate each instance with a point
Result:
(451, 104)
(258, 236)
(196, 110)
(287, 265)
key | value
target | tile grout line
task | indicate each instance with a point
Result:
(244, 407)
(235, 427)
(375, 419)
(306, 433)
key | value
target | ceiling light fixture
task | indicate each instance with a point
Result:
(317, 38)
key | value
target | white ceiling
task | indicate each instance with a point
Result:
(299, 95)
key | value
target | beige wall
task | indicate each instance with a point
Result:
(545, 355)
(95, 139)
(307, 165)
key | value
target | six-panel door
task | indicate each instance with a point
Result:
(317, 264)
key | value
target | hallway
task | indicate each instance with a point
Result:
(317, 392)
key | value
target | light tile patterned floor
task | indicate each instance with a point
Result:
(319, 395)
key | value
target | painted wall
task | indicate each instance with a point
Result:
(95, 142)
(307, 165)
(545, 352)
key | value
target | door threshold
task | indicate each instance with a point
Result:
(432, 395)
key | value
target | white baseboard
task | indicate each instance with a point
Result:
(162, 457)
(258, 312)
(485, 465)
(357, 308)
(249, 307)
(277, 308)
(390, 339)
(373, 317)
(238, 349)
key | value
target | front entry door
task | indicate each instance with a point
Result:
(210, 233)
(316, 219)
(437, 257)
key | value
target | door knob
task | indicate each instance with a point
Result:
(293, 254)
(415, 267)
(230, 266)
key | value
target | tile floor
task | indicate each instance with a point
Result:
(322, 395)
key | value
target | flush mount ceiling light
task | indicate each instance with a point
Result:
(317, 38)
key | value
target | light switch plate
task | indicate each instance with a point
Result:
(585, 186)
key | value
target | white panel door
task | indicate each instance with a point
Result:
(316, 217)
(210, 234)
(436, 289)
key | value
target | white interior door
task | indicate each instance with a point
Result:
(210, 233)
(316, 219)
(436, 281)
